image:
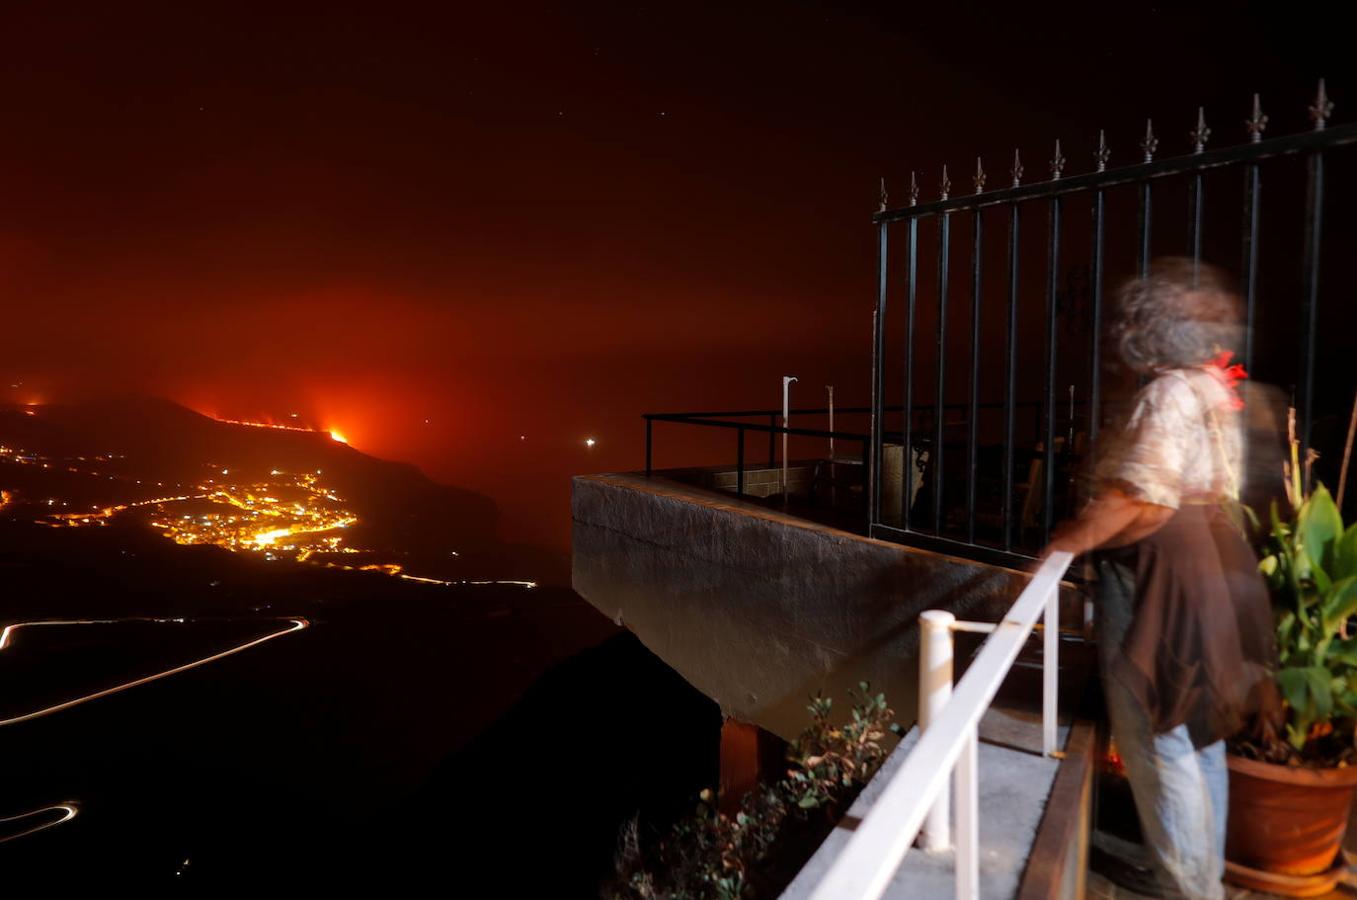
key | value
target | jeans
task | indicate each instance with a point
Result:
(1181, 793)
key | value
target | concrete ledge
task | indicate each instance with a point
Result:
(1057, 866)
(761, 610)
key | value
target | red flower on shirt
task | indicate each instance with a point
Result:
(1229, 375)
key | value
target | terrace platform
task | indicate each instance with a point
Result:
(761, 609)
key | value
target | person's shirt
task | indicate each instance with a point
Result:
(1181, 444)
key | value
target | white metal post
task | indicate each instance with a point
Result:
(967, 776)
(1050, 670)
(830, 388)
(935, 689)
(786, 414)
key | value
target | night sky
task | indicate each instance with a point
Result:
(471, 237)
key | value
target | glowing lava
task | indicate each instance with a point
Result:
(335, 435)
(261, 424)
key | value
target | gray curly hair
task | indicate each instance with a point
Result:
(1180, 314)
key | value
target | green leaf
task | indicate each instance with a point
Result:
(1286, 626)
(1323, 583)
(1339, 604)
(1293, 684)
(1345, 555)
(808, 801)
(1320, 682)
(1318, 526)
(1343, 653)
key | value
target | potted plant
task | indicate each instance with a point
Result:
(1291, 793)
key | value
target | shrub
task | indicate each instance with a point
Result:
(711, 856)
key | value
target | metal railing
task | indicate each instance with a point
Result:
(915, 798)
(1142, 178)
(772, 429)
(923, 421)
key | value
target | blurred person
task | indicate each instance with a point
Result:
(1184, 625)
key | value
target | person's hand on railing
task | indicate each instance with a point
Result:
(1112, 519)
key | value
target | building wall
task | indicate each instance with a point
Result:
(760, 610)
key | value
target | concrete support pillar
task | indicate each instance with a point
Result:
(748, 755)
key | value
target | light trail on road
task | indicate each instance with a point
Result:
(529, 585)
(70, 808)
(6, 636)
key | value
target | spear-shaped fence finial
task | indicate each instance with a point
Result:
(946, 184)
(1150, 143)
(1016, 171)
(1103, 153)
(1321, 108)
(913, 190)
(1057, 162)
(1201, 134)
(884, 197)
(1256, 122)
(979, 178)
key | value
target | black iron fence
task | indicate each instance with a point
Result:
(1143, 181)
(731, 420)
(922, 421)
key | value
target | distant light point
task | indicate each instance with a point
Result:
(589, 442)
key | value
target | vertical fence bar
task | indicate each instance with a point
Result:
(1256, 124)
(1314, 213)
(649, 428)
(1194, 225)
(972, 463)
(1145, 210)
(966, 777)
(1143, 231)
(944, 272)
(1196, 198)
(1050, 671)
(1011, 374)
(872, 460)
(935, 689)
(739, 462)
(866, 462)
(907, 467)
(1048, 438)
(1249, 269)
(1095, 359)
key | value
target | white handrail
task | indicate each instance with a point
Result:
(872, 854)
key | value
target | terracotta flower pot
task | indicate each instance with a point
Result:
(1287, 820)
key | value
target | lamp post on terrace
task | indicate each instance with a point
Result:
(786, 415)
